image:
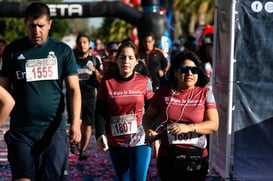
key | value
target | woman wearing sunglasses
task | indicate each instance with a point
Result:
(188, 113)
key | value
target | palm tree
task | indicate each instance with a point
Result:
(189, 14)
(112, 29)
(119, 30)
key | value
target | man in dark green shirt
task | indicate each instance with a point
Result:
(34, 69)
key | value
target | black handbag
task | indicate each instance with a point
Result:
(186, 159)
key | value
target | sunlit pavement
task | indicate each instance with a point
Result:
(97, 167)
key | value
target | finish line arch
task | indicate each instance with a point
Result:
(148, 21)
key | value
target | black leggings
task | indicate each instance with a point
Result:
(168, 173)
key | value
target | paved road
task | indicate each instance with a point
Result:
(97, 167)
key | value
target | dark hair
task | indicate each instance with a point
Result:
(206, 48)
(127, 39)
(112, 46)
(129, 44)
(205, 52)
(37, 10)
(113, 67)
(191, 44)
(146, 34)
(82, 35)
(2, 41)
(203, 79)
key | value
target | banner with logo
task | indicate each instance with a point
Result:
(243, 86)
(253, 114)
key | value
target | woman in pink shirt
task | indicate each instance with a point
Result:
(188, 113)
(121, 98)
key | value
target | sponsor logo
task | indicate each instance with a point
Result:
(21, 57)
(257, 6)
(65, 9)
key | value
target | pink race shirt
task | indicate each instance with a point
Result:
(125, 104)
(186, 106)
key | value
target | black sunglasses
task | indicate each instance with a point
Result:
(185, 69)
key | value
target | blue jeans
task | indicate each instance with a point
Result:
(131, 163)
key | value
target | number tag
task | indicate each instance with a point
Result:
(123, 125)
(84, 74)
(41, 69)
(184, 138)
